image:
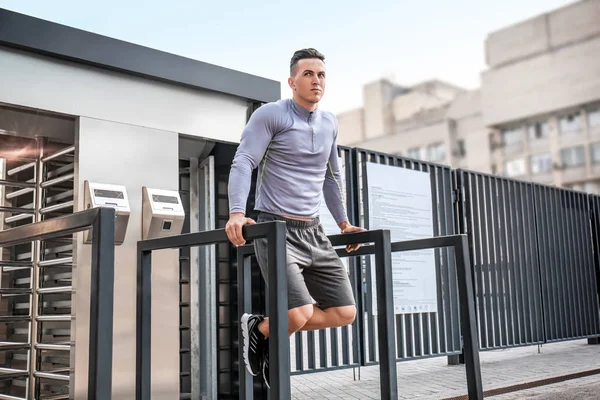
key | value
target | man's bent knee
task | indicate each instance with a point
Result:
(345, 315)
(299, 316)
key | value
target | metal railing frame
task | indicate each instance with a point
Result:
(382, 252)
(102, 223)
(468, 321)
(383, 249)
(275, 234)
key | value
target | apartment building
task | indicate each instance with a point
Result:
(536, 115)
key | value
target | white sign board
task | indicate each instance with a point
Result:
(399, 199)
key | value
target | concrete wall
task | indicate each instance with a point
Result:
(552, 81)
(133, 156)
(351, 126)
(377, 97)
(409, 104)
(68, 88)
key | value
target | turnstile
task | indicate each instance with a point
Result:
(35, 326)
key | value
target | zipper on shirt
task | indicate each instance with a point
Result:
(313, 131)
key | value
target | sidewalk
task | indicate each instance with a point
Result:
(434, 379)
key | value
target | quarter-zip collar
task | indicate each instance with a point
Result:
(302, 112)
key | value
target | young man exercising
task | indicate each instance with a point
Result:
(294, 146)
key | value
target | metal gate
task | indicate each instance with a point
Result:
(37, 184)
(421, 334)
(566, 263)
(499, 217)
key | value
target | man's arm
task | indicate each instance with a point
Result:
(332, 191)
(254, 142)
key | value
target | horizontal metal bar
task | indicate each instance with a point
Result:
(52, 290)
(204, 238)
(16, 218)
(56, 207)
(408, 245)
(60, 196)
(7, 263)
(56, 261)
(17, 193)
(44, 230)
(53, 318)
(58, 154)
(58, 347)
(56, 397)
(56, 181)
(20, 168)
(4, 346)
(50, 375)
(15, 318)
(12, 371)
(16, 210)
(8, 397)
(4, 182)
(354, 237)
(61, 170)
(15, 291)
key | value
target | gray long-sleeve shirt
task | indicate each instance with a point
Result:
(295, 151)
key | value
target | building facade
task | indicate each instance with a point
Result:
(535, 117)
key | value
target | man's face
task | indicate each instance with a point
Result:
(308, 83)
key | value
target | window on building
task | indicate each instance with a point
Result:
(573, 156)
(461, 150)
(515, 167)
(436, 152)
(512, 136)
(415, 153)
(594, 118)
(539, 130)
(570, 123)
(541, 163)
(595, 150)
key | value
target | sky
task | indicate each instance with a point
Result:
(405, 41)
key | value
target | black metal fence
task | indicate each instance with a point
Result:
(533, 253)
(101, 221)
(498, 215)
(566, 263)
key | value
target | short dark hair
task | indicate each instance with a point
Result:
(303, 54)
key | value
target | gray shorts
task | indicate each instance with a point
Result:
(314, 270)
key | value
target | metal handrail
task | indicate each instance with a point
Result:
(383, 271)
(275, 234)
(383, 260)
(102, 223)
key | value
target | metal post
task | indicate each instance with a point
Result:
(143, 324)
(277, 298)
(467, 319)
(101, 305)
(385, 321)
(244, 278)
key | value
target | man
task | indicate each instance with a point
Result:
(294, 146)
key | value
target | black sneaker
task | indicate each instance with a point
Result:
(253, 342)
(265, 365)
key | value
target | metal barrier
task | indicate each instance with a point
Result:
(468, 321)
(102, 223)
(566, 267)
(275, 234)
(382, 249)
(498, 214)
